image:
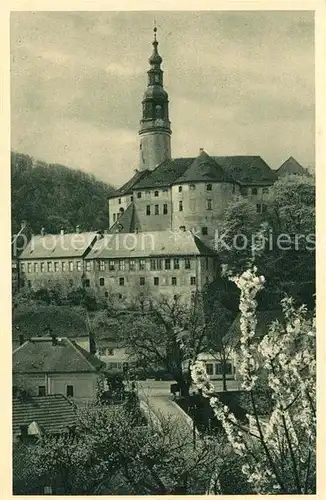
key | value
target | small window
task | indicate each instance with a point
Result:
(35, 267)
(153, 264)
(56, 267)
(192, 187)
(29, 267)
(176, 264)
(79, 265)
(209, 368)
(165, 208)
(106, 294)
(142, 264)
(42, 267)
(180, 206)
(167, 263)
(131, 198)
(218, 369)
(70, 391)
(265, 190)
(121, 265)
(121, 281)
(175, 297)
(102, 265)
(114, 217)
(156, 210)
(119, 201)
(156, 193)
(111, 265)
(120, 296)
(142, 280)
(174, 281)
(87, 283)
(41, 390)
(187, 263)
(132, 265)
(180, 189)
(193, 280)
(264, 208)
(208, 187)
(204, 230)
(254, 191)
(209, 204)
(139, 194)
(101, 281)
(148, 210)
(156, 281)
(88, 265)
(64, 266)
(243, 190)
(22, 267)
(228, 368)
(258, 208)
(71, 266)
(182, 228)
(206, 263)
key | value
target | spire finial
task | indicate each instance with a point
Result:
(155, 30)
(155, 57)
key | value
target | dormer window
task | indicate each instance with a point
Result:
(156, 193)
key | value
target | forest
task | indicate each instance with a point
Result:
(54, 196)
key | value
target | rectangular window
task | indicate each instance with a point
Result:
(79, 265)
(209, 368)
(42, 267)
(167, 263)
(50, 267)
(193, 280)
(208, 187)
(180, 206)
(258, 208)
(153, 264)
(70, 391)
(265, 190)
(101, 281)
(176, 264)
(180, 189)
(142, 264)
(63, 266)
(165, 208)
(41, 390)
(119, 201)
(204, 230)
(218, 368)
(228, 368)
(56, 267)
(29, 267)
(121, 281)
(22, 267)
(148, 210)
(156, 281)
(187, 263)
(88, 265)
(114, 217)
(264, 208)
(132, 265)
(142, 280)
(139, 194)
(254, 191)
(159, 264)
(243, 190)
(209, 204)
(102, 265)
(35, 267)
(156, 193)
(87, 283)
(71, 265)
(111, 265)
(121, 265)
(174, 281)
(131, 198)
(156, 210)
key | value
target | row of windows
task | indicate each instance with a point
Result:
(156, 209)
(147, 193)
(192, 187)
(52, 266)
(142, 281)
(254, 191)
(69, 390)
(261, 208)
(208, 205)
(218, 369)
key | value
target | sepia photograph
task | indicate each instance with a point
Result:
(163, 247)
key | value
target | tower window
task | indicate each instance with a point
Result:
(209, 204)
(139, 194)
(155, 193)
(254, 191)
(209, 187)
(156, 210)
(204, 230)
(165, 208)
(148, 210)
(180, 206)
(180, 189)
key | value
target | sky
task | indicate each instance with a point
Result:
(239, 83)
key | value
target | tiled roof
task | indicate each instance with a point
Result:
(128, 186)
(289, 167)
(53, 246)
(165, 173)
(247, 169)
(123, 245)
(204, 168)
(53, 413)
(33, 321)
(39, 355)
(127, 222)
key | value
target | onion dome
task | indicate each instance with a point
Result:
(155, 58)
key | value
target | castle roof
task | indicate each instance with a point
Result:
(204, 168)
(128, 222)
(165, 174)
(54, 246)
(128, 186)
(149, 244)
(247, 169)
(289, 167)
(43, 355)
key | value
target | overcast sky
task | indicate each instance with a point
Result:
(238, 83)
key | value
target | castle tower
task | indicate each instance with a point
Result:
(155, 131)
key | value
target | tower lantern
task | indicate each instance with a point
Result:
(155, 131)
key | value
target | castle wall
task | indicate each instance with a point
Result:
(117, 206)
(159, 202)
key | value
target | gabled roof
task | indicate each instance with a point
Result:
(247, 169)
(165, 173)
(128, 186)
(289, 167)
(53, 413)
(54, 246)
(202, 169)
(156, 243)
(128, 222)
(39, 355)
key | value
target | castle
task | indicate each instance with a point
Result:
(162, 221)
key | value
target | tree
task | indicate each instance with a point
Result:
(278, 449)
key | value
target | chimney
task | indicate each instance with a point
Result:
(78, 228)
(201, 150)
(62, 231)
(21, 339)
(42, 231)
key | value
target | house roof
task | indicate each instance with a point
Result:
(128, 186)
(204, 168)
(54, 246)
(52, 413)
(247, 169)
(34, 320)
(128, 222)
(165, 173)
(39, 355)
(123, 245)
(289, 167)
